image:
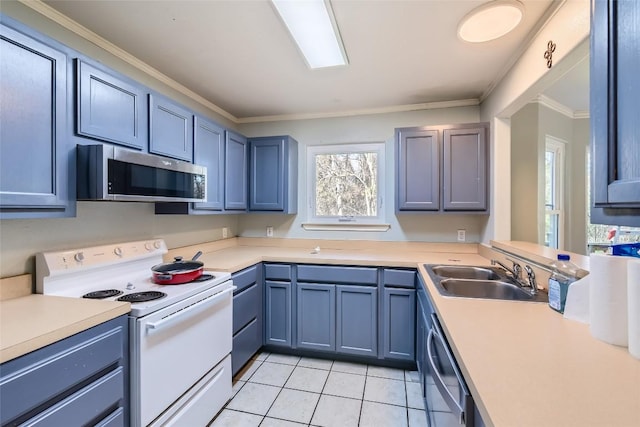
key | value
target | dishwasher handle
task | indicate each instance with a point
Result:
(449, 399)
(208, 302)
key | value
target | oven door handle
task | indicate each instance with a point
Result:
(208, 302)
(451, 401)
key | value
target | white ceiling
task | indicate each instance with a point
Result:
(238, 55)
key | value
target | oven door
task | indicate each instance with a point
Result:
(173, 348)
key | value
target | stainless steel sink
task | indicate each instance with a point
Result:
(480, 282)
(492, 289)
(465, 272)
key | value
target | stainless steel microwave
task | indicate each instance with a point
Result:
(106, 172)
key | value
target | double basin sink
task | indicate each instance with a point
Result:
(480, 282)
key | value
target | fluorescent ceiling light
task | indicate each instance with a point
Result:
(491, 21)
(313, 27)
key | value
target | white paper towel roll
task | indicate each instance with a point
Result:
(577, 305)
(608, 299)
(633, 295)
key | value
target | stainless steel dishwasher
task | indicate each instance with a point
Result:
(447, 398)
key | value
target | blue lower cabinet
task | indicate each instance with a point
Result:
(316, 314)
(81, 380)
(277, 313)
(399, 323)
(247, 315)
(357, 320)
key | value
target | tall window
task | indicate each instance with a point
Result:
(553, 194)
(346, 183)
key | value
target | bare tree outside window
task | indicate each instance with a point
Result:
(345, 182)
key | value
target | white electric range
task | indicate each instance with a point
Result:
(179, 335)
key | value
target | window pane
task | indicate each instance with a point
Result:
(549, 181)
(346, 184)
(551, 231)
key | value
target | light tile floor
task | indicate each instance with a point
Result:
(276, 390)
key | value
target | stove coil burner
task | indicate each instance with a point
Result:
(203, 278)
(102, 294)
(142, 296)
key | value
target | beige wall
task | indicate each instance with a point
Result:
(525, 157)
(371, 128)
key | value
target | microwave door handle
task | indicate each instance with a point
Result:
(450, 400)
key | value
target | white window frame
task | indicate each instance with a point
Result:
(557, 146)
(376, 223)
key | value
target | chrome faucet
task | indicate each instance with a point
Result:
(531, 276)
(515, 271)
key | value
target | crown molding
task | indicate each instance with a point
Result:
(116, 51)
(581, 114)
(363, 112)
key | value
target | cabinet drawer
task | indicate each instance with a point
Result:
(33, 379)
(81, 407)
(327, 274)
(245, 344)
(115, 419)
(247, 305)
(277, 271)
(245, 278)
(400, 278)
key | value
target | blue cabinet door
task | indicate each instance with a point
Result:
(357, 320)
(35, 155)
(277, 313)
(235, 172)
(109, 108)
(465, 169)
(273, 174)
(170, 129)
(208, 146)
(615, 112)
(316, 314)
(398, 322)
(417, 169)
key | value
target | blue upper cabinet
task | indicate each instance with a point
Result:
(235, 172)
(464, 169)
(615, 112)
(273, 172)
(417, 169)
(442, 168)
(208, 146)
(109, 108)
(36, 153)
(170, 129)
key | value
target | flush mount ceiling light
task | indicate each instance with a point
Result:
(313, 28)
(490, 21)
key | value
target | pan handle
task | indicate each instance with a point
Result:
(196, 256)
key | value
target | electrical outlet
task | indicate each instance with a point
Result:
(225, 232)
(462, 235)
(269, 231)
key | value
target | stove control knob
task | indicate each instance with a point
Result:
(79, 257)
(117, 250)
(156, 244)
(148, 246)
